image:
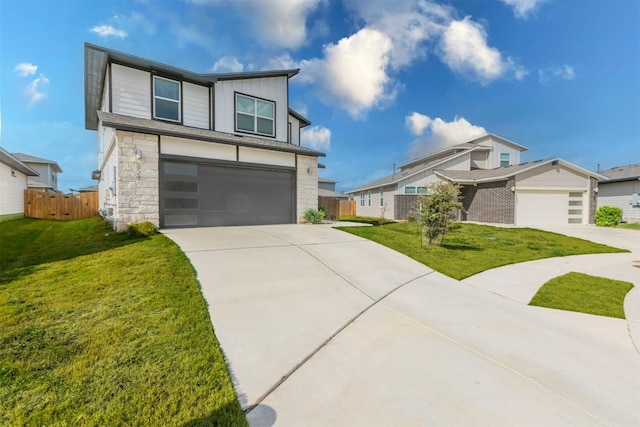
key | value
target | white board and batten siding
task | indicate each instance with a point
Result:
(227, 152)
(130, 92)
(427, 177)
(195, 108)
(493, 159)
(271, 89)
(266, 157)
(201, 149)
(12, 186)
(294, 129)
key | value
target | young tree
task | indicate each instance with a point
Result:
(435, 210)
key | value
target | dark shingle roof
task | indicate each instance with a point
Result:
(622, 173)
(155, 127)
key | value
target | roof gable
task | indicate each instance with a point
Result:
(477, 176)
(96, 59)
(473, 144)
(15, 163)
(26, 158)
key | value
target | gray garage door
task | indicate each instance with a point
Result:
(204, 195)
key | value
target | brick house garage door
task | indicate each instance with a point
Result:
(549, 207)
(205, 195)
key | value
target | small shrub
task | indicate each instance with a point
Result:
(608, 216)
(314, 216)
(411, 219)
(143, 229)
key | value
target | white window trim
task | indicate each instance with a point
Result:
(178, 101)
(255, 116)
(369, 198)
(381, 198)
(415, 190)
(361, 199)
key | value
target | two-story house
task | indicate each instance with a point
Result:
(48, 170)
(496, 187)
(182, 149)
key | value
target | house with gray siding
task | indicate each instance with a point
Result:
(496, 187)
(183, 149)
(14, 178)
(48, 170)
(621, 189)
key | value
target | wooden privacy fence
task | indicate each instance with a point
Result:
(331, 206)
(347, 208)
(337, 208)
(40, 204)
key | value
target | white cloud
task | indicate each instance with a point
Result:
(417, 123)
(409, 25)
(316, 137)
(25, 69)
(33, 91)
(280, 23)
(464, 49)
(564, 72)
(443, 134)
(354, 71)
(523, 8)
(106, 31)
(227, 63)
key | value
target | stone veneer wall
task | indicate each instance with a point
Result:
(492, 202)
(306, 185)
(137, 182)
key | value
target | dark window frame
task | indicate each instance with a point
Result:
(255, 115)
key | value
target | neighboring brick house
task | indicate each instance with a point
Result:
(621, 189)
(496, 187)
(182, 149)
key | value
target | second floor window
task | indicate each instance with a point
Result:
(505, 159)
(255, 115)
(166, 99)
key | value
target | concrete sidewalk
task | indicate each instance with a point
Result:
(520, 282)
(320, 327)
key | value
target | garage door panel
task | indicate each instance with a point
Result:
(228, 195)
(548, 207)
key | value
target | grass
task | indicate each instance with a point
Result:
(472, 248)
(629, 225)
(100, 328)
(367, 220)
(585, 294)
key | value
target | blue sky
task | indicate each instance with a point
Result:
(381, 81)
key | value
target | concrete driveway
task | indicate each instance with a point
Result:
(323, 328)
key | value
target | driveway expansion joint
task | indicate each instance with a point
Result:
(328, 340)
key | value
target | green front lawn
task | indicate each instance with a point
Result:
(100, 328)
(585, 294)
(471, 248)
(630, 226)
